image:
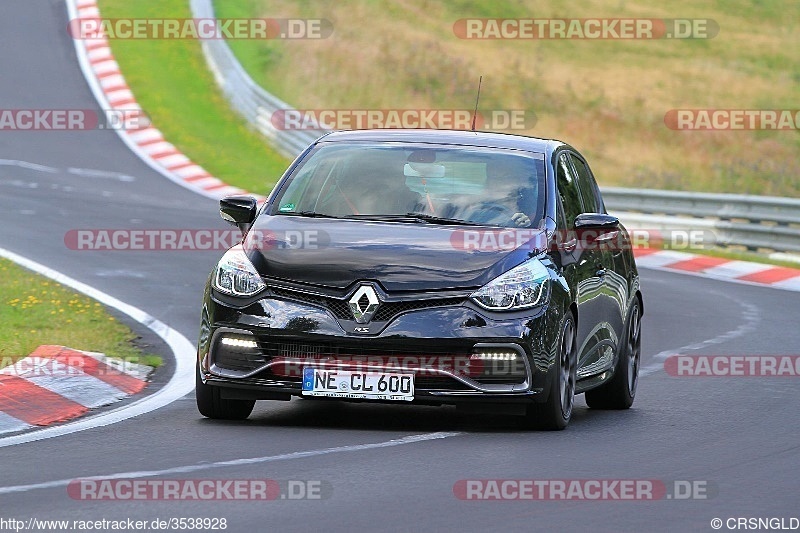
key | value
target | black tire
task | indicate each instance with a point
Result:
(620, 391)
(555, 413)
(212, 405)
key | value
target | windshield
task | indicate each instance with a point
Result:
(420, 182)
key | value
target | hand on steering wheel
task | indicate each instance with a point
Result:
(521, 220)
(498, 213)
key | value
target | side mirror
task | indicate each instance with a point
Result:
(238, 210)
(596, 221)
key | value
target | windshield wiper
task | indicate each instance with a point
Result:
(408, 217)
(310, 214)
(385, 217)
(413, 217)
(433, 219)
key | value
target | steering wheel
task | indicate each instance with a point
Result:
(490, 213)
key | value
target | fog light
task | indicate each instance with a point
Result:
(497, 365)
(494, 355)
(238, 353)
(238, 342)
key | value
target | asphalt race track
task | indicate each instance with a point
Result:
(735, 436)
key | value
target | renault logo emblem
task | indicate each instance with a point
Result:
(364, 303)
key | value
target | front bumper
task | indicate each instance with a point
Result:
(443, 345)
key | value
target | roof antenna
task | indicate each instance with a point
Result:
(475, 114)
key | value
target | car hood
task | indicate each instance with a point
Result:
(400, 256)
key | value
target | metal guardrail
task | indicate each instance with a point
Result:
(753, 222)
(737, 220)
(254, 103)
(783, 211)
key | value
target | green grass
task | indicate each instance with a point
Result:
(606, 98)
(173, 85)
(35, 311)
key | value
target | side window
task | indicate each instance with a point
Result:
(561, 218)
(590, 194)
(567, 190)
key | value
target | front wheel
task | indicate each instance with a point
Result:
(620, 391)
(211, 404)
(555, 413)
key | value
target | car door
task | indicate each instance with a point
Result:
(612, 287)
(582, 267)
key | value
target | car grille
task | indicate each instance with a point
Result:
(289, 356)
(420, 382)
(346, 350)
(360, 353)
(386, 312)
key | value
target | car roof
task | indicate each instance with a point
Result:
(458, 137)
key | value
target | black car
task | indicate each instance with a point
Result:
(425, 266)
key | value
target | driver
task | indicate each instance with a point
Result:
(512, 184)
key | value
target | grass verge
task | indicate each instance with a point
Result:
(173, 85)
(35, 310)
(615, 111)
(608, 98)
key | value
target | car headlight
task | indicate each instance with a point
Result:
(523, 286)
(236, 275)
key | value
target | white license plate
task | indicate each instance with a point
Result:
(368, 385)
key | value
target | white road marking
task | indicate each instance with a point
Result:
(664, 257)
(90, 173)
(119, 273)
(85, 172)
(20, 183)
(29, 166)
(736, 269)
(751, 317)
(81, 388)
(180, 384)
(9, 424)
(410, 439)
(792, 284)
